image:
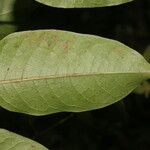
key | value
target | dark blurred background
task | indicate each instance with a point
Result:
(124, 125)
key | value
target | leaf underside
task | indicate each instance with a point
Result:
(82, 3)
(49, 71)
(9, 140)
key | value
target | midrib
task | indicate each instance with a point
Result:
(34, 78)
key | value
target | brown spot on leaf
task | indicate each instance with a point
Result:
(55, 38)
(67, 44)
(119, 51)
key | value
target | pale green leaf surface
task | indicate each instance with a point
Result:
(12, 141)
(82, 3)
(49, 71)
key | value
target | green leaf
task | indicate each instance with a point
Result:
(6, 10)
(6, 15)
(6, 29)
(12, 10)
(143, 89)
(147, 53)
(9, 140)
(82, 3)
(49, 71)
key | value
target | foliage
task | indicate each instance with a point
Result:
(63, 71)
(82, 3)
(49, 71)
(9, 140)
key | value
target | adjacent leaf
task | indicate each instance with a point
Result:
(12, 12)
(147, 53)
(9, 140)
(82, 3)
(6, 10)
(143, 89)
(49, 71)
(6, 29)
(9, 9)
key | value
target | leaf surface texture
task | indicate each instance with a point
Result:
(82, 3)
(12, 141)
(49, 71)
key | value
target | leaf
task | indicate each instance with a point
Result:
(143, 89)
(6, 29)
(6, 10)
(6, 15)
(147, 53)
(49, 71)
(82, 3)
(12, 10)
(9, 140)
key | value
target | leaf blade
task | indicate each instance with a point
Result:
(82, 3)
(9, 140)
(6, 10)
(49, 71)
(6, 29)
(14, 10)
